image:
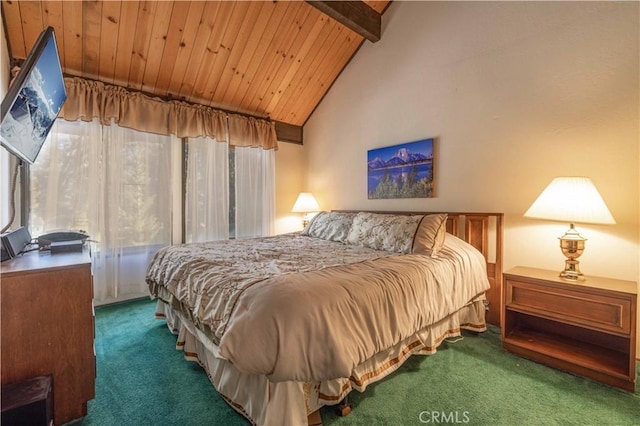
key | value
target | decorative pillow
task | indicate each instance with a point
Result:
(430, 235)
(384, 231)
(332, 226)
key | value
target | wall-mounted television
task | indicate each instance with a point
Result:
(34, 100)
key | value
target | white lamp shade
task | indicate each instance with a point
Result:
(305, 203)
(571, 199)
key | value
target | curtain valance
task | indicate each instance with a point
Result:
(249, 131)
(88, 99)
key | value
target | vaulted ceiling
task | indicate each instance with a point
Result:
(263, 58)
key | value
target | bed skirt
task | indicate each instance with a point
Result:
(266, 403)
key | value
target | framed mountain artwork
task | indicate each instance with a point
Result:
(401, 171)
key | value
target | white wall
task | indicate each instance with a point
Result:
(4, 154)
(290, 181)
(515, 93)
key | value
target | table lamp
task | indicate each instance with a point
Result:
(305, 204)
(571, 199)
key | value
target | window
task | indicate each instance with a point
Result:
(207, 190)
(113, 183)
(116, 184)
(230, 191)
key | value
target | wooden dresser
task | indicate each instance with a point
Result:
(587, 327)
(48, 326)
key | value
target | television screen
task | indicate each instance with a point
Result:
(33, 100)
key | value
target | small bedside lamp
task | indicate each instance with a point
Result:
(306, 204)
(571, 199)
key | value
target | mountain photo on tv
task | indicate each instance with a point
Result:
(33, 101)
(401, 171)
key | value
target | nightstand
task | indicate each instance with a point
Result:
(587, 328)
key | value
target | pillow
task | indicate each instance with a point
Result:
(332, 226)
(430, 235)
(386, 232)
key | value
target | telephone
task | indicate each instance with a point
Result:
(45, 240)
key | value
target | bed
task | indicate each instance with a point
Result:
(284, 325)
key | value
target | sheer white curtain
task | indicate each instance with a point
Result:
(207, 190)
(115, 184)
(255, 192)
(65, 179)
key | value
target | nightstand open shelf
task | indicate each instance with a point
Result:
(585, 354)
(584, 328)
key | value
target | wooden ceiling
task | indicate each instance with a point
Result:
(263, 58)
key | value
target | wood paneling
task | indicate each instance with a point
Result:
(15, 38)
(141, 41)
(269, 59)
(125, 51)
(90, 35)
(109, 40)
(71, 47)
(32, 25)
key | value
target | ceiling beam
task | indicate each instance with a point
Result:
(355, 15)
(288, 132)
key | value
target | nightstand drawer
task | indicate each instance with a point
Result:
(595, 311)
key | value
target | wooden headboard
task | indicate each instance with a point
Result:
(484, 231)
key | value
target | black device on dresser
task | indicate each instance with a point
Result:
(14, 242)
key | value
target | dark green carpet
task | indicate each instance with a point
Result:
(143, 380)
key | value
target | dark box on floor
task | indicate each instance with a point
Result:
(28, 403)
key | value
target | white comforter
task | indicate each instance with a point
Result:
(345, 305)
